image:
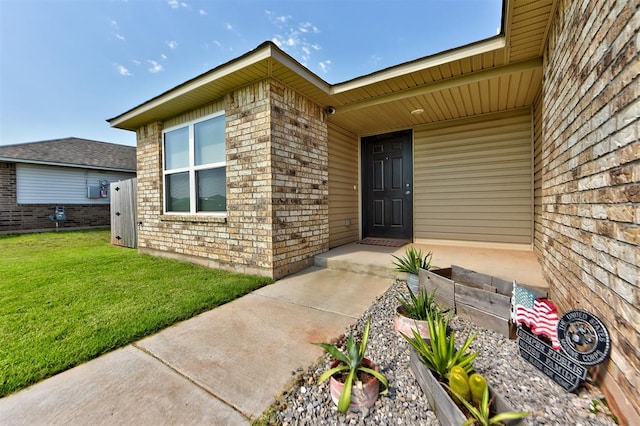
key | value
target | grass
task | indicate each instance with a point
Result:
(66, 298)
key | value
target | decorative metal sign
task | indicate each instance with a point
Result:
(583, 341)
(584, 337)
(554, 364)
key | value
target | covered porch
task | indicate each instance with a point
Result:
(508, 264)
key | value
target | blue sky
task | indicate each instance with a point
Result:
(68, 65)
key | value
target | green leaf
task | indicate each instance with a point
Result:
(345, 396)
(365, 338)
(334, 352)
(331, 372)
(502, 417)
(379, 376)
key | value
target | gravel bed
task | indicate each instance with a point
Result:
(523, 385)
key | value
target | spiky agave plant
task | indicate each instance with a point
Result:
(351, 361)
(439, 354)
(419, 306)
(412, 261)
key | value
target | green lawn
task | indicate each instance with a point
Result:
(68, 297)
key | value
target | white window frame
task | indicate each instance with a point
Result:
(191, 169)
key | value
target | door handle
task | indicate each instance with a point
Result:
(407, 192)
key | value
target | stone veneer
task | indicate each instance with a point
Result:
(591, 178)
(276, 143)
(16, 217)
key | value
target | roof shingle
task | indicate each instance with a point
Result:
(73, 152)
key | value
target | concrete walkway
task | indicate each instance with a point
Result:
(223, 367)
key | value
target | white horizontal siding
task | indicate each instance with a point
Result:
(38, 184)
(473, 179)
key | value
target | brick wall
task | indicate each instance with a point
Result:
(299, 147)
(590, 150)
(276, 153)
(32, 217)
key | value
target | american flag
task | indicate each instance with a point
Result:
(540, 315)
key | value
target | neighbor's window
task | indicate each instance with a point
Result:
(194, 167)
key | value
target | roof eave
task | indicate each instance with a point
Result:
(77, 166)
(483, 46)
(266, 50)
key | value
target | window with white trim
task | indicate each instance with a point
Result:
(194, 167)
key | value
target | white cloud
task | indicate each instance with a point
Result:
(120, 36)
(114, 24)
(174, 4)
(163, 56)
(325, 66)
(172, 44)
(279, 20)
(228, 26)
(306, 27)
(184, 4)
(375, 59)
(122, 70)
(155, 67)
(135, 61)
(294, 38)
(202, 12)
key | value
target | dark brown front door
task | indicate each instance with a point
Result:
(387, 179)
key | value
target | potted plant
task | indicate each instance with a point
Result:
(434, 362)
(411, 262)
(414, 311)
(354, 380)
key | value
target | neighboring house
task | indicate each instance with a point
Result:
(525, 140)
(70, 174)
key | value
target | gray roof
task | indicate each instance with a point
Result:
(73, 152)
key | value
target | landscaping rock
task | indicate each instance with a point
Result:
(499, 361)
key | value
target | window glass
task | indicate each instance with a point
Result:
(211, 190)
(177, 192)
(209, 141)
(176, 148)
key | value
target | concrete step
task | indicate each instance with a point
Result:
(378, 265)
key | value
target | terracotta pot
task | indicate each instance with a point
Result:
(361, 398)
(404, 324)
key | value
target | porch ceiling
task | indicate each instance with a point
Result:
(479, 92)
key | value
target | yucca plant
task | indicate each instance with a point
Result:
(351, 361)
(439, 354)
(480, 415)
(419, 306)
(412, 261)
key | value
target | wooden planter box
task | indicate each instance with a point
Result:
(445, 408)
(484, 299)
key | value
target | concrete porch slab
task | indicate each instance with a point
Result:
(519, 265)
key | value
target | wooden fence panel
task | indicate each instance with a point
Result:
(124, 231)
